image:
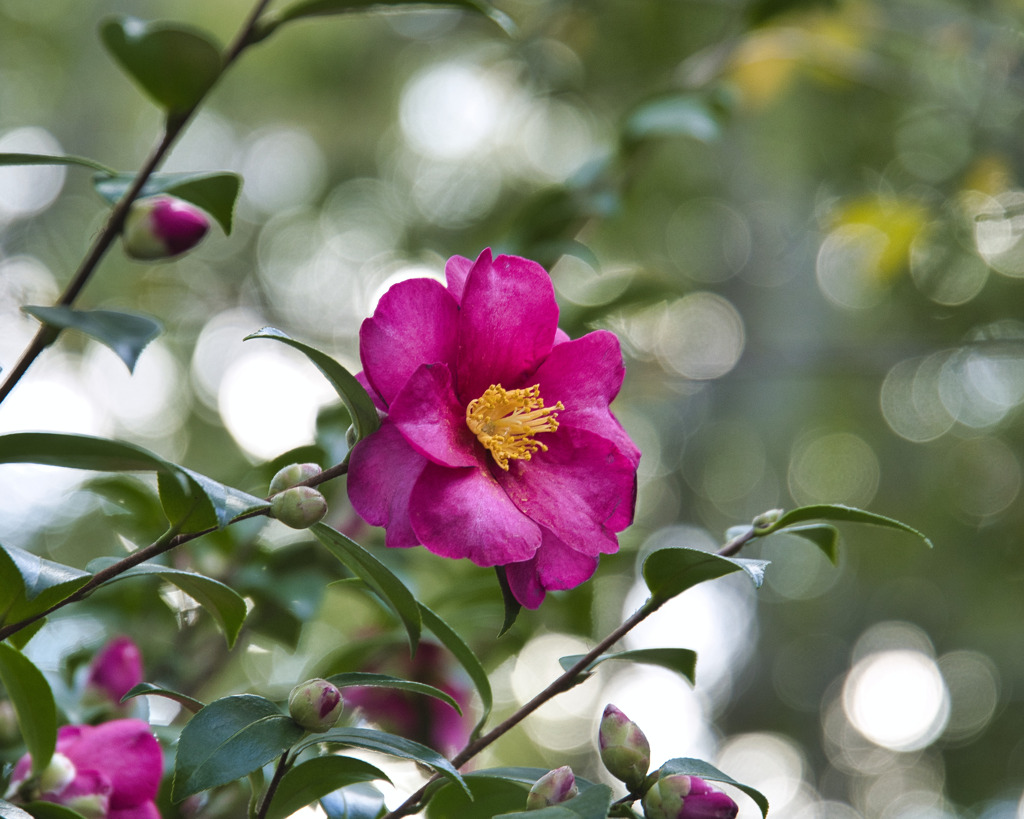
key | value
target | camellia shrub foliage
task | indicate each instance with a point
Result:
(476, 429)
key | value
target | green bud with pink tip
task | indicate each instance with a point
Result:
(162, 227)
(625, 751)
(553, 788)
(316, 705)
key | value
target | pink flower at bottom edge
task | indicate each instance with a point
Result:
(498, 444)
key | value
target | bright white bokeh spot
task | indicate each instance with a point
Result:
(412, 271)
(837, 467)
(269, 401)
(221, 342)
(450, 110)
(769, 762)
(283, 168)
(26, 190)
(700, 336)
(848, 266)
(897, 699)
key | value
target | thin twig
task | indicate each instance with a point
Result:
(279, 772)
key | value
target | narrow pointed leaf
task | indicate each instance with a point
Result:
(30, 585)
(44, 159)
(376, 575)
(838, 512)
(688, 115)
(324, 8)
(148, 689)
(223, 603)
(822, 535)
(124, 333)
(174, 65)
(350, 679)
(29, 693)
(671, 571)
(681, 660)
(51, 810)
(469, 661)
(698, 767)
(512, 605)
(215, 192)
(316, 778)
(358, 403)
(359, 801)
(229, 739)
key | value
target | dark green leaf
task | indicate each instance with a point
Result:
(698, 767)
(822, 535)
(464, 654)
(124, 333)
(673, 570)
(680, 660)
(9, 811)
(316, 778)
(30, 585)
(490, 796)
(221, 601)
(29, 693)
(388, 744)
(376, 575)
(512, 605)
(359, 801)
(359, 404)
(833, 511)
(688, 115)
(50, 810)
(43, 159)
(143, 689)
(175, 66)
(349, 679)
(592, 803)
(214, 192)
(229, 739)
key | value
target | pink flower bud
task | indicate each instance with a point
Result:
(160, 227)
(116, 669)
(299, 507)
(316, 705)
(292, 475)
(554, 787)
(678, 796)
(625, 751)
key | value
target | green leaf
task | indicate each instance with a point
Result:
(360, 801)
(833, 511)
(671, 571)
(698, 767)
(174, 65)
(490, 796)
(50, 810)
(224, 604)
(124, 333)
(349, 679)
(44, 159)
(215, 192)
(324, 8)
(688, 115)
(390, 744)
(228, 739)
(358, 402)
(681, 660)
(376, 575)
(144, 689)
(316, 778)
(469, 661)
(512, 605)
(29, 693)
(592, 803)
(822, 535)
(9, 811)
(30, 585)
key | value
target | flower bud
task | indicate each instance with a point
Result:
(292, 475)
(625, 751)
(678, 796)
(554, 787)
(160, 227)
(299, 507)
(766, 520)
(116, 669)
(316, 705)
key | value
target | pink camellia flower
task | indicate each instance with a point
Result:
(497, 443)
(108, 771)
(116, 669)
(426, 720)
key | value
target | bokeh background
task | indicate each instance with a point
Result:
(804, 220)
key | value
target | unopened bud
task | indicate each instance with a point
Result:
(625, 751)
(160, 227)
(299, 507)
(292, 475)
(766, 520)
(678, 796)
(116, 669)
(316, 705)
(553, 788)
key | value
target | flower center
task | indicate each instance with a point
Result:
(505, 421)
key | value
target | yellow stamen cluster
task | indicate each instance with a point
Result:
(505, 422)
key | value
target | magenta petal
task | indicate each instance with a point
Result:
(465, 513)
(381, 473)
(117, 668)
(125, 752)
(147, 810)
(555, 566)
(507, 325)
(430, 418)
(415, 323)
(455, 272)
(574, 489)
